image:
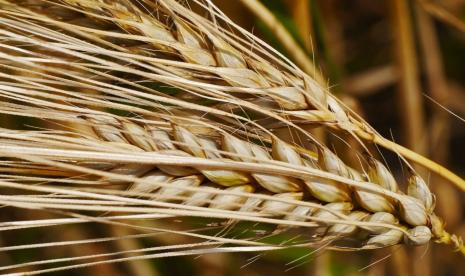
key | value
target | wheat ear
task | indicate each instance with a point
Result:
(198, 107)
(199, 44)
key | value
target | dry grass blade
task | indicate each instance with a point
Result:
(181, 124)
(442, 14)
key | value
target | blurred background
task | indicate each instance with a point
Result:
(398, 63)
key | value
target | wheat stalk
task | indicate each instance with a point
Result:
(204, 148)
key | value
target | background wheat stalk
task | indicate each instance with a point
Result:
(151, 113)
